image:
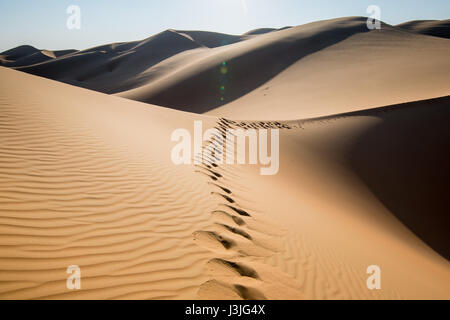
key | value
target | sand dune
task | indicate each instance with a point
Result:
(248, 65)
(187, 59)
(118, 67)
(87, 180)
(264, 67)
(366, 70)
(19, 52)
(111, 201)
(84, 183)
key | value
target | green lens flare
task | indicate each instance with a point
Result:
(223, 71)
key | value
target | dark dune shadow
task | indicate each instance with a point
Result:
(19, 52)
(435, 28)
(405, 161)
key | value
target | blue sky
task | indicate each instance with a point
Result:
(42, 23)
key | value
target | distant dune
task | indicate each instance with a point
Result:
(359, 68)
(28, 55)
(87, 177)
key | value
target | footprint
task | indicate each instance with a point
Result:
(216, 290)
(212, 240)
(249, 293)
(224, 196)
(223, 188)
(237, 231)
(231, 268)
(239, 211)
(218, 175)
(222, 214)
(212, 177)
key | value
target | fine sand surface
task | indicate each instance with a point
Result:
(87, 180)
(86, 177)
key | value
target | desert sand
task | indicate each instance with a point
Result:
(87, 177)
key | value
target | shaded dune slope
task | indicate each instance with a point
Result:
(19, 52)
(403, 160)
(436, 28)
(359, 189)
(28, 55)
